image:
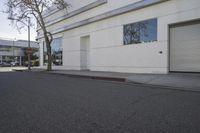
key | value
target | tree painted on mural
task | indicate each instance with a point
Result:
(20, 12)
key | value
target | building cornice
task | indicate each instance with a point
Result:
(73, 13)
(132, 7)
(50, 11)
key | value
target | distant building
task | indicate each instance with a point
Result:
(11, 50)
(134, 36)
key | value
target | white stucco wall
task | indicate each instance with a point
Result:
(107, 52)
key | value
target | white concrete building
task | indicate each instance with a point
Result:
(134, 36)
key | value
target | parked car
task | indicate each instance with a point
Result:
(57, 62)
(26, 63)
(35, 62)
(14, 63)
(5, 64)
(32, 63)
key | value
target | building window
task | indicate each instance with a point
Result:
(56, 51)
(140, 32)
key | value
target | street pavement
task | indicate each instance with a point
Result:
(33, 102)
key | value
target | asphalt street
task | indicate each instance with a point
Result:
(45, 103)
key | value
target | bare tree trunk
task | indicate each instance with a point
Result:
(48, 45)
(49, 66)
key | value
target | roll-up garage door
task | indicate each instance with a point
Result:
(185, 47)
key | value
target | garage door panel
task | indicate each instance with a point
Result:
(187, 43)
(185, 48)
(185, 33)
(186, 61)
(188, 68)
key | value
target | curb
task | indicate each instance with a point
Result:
(19, 70)
(90, 77)
(118, 80)
(164, 86)
(127, 82)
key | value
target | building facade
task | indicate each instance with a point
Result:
(15, 50)
(134, 36)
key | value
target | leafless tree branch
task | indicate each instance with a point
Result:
(19, 11)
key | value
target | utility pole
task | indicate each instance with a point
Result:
(13, 50)
(29, 47)
(29, 54)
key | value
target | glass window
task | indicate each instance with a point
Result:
(56, 51)
(140, 32)
(6, 49)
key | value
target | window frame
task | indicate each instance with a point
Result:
(45, 59)
(137, 23)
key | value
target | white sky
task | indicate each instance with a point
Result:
(9, 31)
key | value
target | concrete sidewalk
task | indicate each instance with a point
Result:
(184, 81)
(14, 68)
